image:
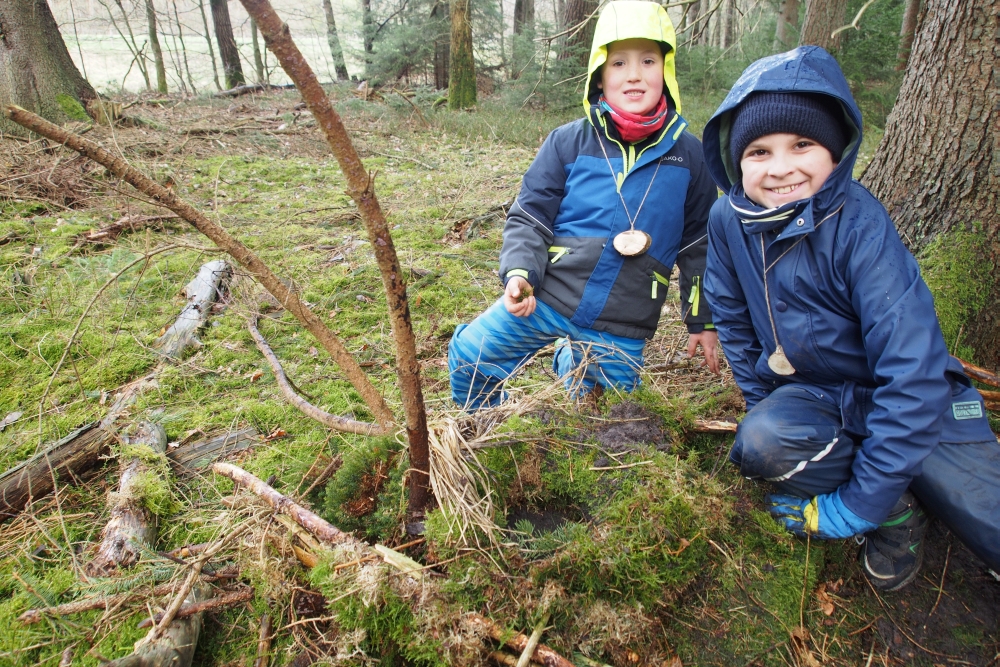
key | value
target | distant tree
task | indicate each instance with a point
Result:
(462, 69)
(786, 31)
(368, 33)
(211, 49)
(36, 71)
(524, 16)
(440, 16)
(230, 55)
(937, 169)
(258, 60)
(154, 44)
(911, 14)
(822, 18)
(336, 51)
(580, 18)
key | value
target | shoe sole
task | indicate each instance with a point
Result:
(877, 582)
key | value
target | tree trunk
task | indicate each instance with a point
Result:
(336, 51)
(227, 44)
(462, 80)
(442, 43)
(132, 526)
(258, 62)
(184, 56)
(787, 29)
(822, 18)
(910, 16)
(577, 45)
(175, 648)
(211, 49)
(367, 33)
(936, 168)
(36, 71)
(154, 44)
(201, 294)
(73, 458)
(524, 16)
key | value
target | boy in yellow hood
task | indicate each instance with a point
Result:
(609, 204)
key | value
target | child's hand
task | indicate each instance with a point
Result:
(517, 297)
(709, 341)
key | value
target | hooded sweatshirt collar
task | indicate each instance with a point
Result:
(807, 69)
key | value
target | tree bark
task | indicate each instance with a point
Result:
(131, 526)
(367, 33)
(936, 168)
(524, 16)
(154, 44)
(462, 68)
(258, 62)
(822, 18)
(911, 15)
(576, 48)
(336, 51)
(228, 52)
(74, 458)
(361, 190)
(442, 43)
(786, 31)
(36, 70)
(175, 648)
(211, 49)
(238, 251)
(201, 294)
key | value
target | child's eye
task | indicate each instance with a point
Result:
(805, 143)
(755, 152)
(648, 61)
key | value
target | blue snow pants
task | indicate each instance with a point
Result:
(482, 355)
(802, 439)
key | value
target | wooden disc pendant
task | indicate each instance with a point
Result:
(779, 363)
(632, 243)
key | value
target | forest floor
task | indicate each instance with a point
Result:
(627, 535)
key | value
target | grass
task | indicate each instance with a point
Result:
(668, 557)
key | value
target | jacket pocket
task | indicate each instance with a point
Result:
(659, 279)
(559, 252)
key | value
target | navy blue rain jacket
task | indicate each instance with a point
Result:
(851, 311)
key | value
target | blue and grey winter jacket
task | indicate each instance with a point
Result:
(851, 311)
(559, 231)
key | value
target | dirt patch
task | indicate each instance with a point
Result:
(631, 425)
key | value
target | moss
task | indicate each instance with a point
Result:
(960, 282)
(72, 107)
(366, 493)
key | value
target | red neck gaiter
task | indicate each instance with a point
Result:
(634, 127)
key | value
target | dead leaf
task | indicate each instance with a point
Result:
(800, 645)
(255, 375)
(673, 662)
(10, 419)
(275, 434)
(825, 602)
(631, 656)
(313, 352)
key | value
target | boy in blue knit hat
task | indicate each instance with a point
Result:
(608, 206)
(854, 407)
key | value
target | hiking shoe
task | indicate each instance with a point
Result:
(893, 552)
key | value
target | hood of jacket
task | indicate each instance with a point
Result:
(631, 19)
(807, 69)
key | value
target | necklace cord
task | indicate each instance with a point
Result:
(629, 216)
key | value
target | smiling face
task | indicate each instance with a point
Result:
(781, 168)
(632, 76)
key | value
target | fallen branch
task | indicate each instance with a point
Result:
(131, 526)
(251, 88)
(360, 187)
(74, 458)
(316, 525)
(333, 421)
(107, 235)
(237, 250)
(218, 602)
(112, 601)
(189, 459)
(201, 294)
(264, 643)
(980, 374)
(714, 426)
(175, 645)
(542, 654)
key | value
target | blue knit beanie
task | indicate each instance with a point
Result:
(817, 117)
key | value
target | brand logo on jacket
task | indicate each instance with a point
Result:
(967, 410)
(671, 158)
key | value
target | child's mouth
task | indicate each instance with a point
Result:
(785, 189)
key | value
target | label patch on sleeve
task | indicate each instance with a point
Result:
(967, 410)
